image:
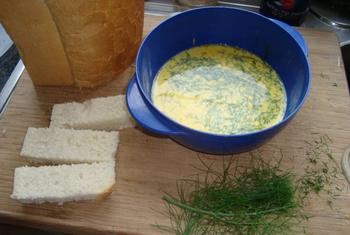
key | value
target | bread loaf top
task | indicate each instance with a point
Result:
(81, 43)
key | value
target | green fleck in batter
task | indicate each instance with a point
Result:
(219, 89)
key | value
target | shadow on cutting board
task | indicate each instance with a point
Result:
(6, 229)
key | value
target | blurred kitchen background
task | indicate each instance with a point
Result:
(333, 15)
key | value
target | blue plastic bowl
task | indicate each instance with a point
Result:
(275, 42)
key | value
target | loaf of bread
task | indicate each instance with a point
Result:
(81, 43)
(67, 146)
(63, 183)
(104, 113)
(31, 27)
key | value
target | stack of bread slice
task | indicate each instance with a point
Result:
(76, 153)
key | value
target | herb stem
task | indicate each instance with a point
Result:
(220, 214)
(189, 227)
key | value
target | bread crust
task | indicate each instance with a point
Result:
(44, 162)
(100, 37)
(30, 25)
(106, 193)
(74, 43)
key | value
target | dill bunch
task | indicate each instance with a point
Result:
(259, 200)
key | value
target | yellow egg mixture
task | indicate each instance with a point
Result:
(219, 89)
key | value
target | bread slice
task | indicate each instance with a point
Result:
(63, 183)
(57, 146)
(105, 113)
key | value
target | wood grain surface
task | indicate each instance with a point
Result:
(148, 165)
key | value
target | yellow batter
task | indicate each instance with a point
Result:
(219, 89)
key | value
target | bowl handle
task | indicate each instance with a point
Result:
(294, 33)
(141, 113)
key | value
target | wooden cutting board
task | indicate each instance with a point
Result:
(148, 165)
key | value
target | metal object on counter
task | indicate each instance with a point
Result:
(331, 17)
(335, 16)
(335, 19)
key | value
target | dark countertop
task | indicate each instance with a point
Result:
(8, 62)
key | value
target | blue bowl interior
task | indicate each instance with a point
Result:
(234, 27)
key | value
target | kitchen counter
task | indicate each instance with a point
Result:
(148, 165)
(13, 56)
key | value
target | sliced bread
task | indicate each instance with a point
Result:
(57, 146)
(63, 183)
(104, 113)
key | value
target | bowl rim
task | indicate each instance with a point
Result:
(149, 103)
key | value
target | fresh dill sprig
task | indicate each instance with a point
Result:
(257, 199)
